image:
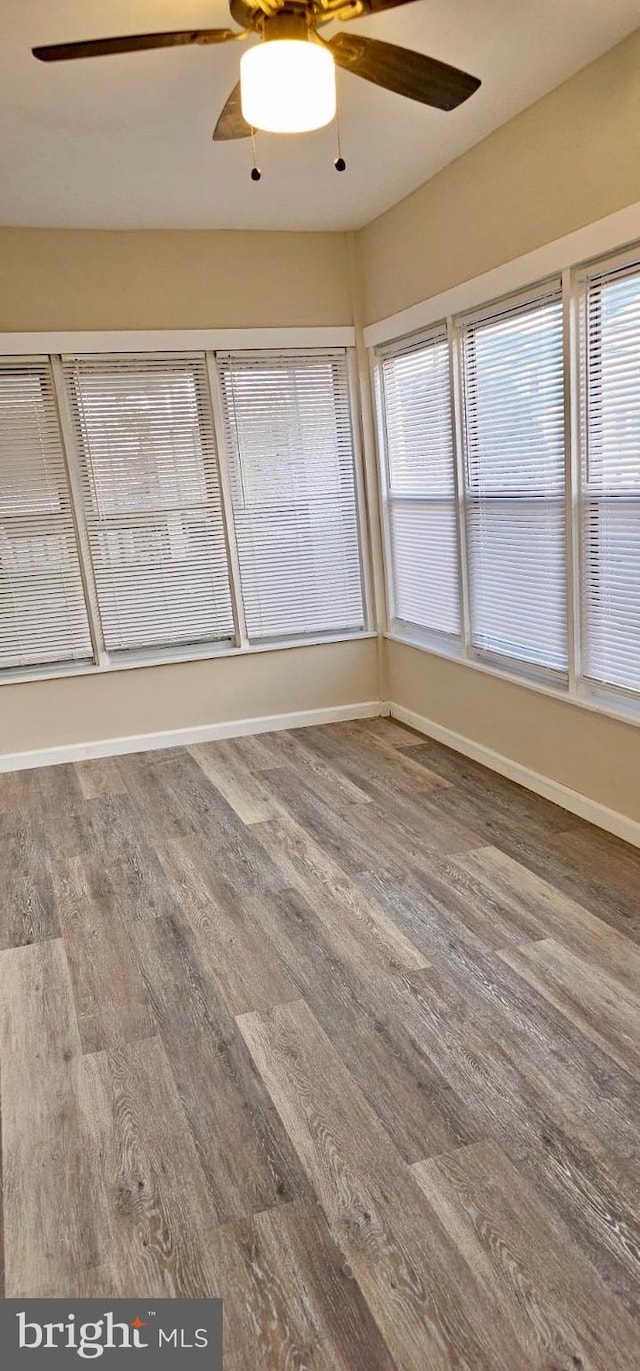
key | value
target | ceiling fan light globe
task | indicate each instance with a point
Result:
(288, 86)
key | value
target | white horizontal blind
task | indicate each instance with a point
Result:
(515, 480)
(611, 480)
(151, 499)
(421, 499)
(289, 441)
(43, 617)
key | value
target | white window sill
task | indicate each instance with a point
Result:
(597, 700)
(211, 652)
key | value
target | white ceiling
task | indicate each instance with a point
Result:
(125, 142)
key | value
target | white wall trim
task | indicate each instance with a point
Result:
(183, 737)
(593, 240)
(585, 808)
(174, 340)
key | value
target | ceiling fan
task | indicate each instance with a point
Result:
(287, 79)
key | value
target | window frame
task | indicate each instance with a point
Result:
(514, 304)
(72, 664)
(238, 645)
(359, 489)
(436, 333)
(615, 701)
(626, 261)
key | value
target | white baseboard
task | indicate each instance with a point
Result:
(591, 810)
(182, 737)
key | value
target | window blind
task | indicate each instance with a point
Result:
(42, 610)
(421, 496)
(611, 480)
(513, 386)
(287, 424)
(151, 499)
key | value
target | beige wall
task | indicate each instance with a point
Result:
(79, 709)
(597, 756)
(568, 160)
(91, 279)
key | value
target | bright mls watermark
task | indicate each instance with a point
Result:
(164, 1333)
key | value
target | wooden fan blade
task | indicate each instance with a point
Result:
(408, 73)
(133, 42)
(231, 123)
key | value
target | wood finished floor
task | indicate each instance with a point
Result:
(336, 1024)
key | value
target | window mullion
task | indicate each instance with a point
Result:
(239, 616)
(365, 488)
(571, 312)
(72, 462)
(454, 338)
(385, 494)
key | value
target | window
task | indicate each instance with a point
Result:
(42, 611)
(420, 477)
(512, 367)
(151, 500)
(289, 442)
(610, 491)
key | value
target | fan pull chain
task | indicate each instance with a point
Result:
(339, 164)
(256, 173)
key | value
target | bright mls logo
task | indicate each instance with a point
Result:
(164, 1333)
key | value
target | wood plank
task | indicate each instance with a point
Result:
(99, 776)
(235, 954)
(159, 1209)
(370, 762)
(591, 1189)
(121, 843)
(247, 1160)
(563, 1315)
(27, 902)
(56, 1227)
(296, 752)
(238, 786)
(19, 789)
(108, 989)
(608, 862)
(392, 731)
(424, 909)
(496, 797)
(603, 1009)
(508, 890)
(301, 1307)
(63, 809)
(423, 1297)
(413, 1102)
(333, 831)
(548, 859)
(546, 1046)
(370, 938)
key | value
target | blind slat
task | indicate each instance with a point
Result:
(152, 499)
(288, 434)
(43, 618)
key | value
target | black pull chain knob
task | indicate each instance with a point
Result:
(340, 164)
(256, 174)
